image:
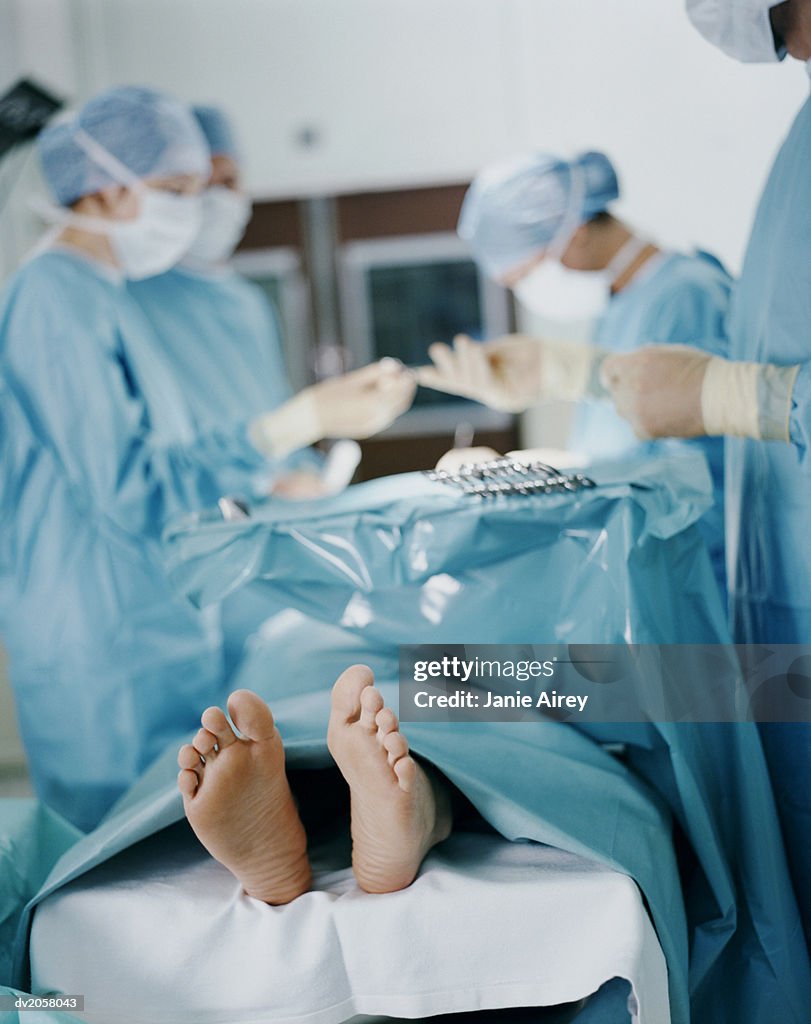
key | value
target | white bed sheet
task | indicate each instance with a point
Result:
(162, 934)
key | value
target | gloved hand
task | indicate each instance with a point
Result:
(679, 391)
(658, 389)
(503, 374)
(513, 372)
(354, 405)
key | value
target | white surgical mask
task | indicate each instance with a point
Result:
(160, 233)
(741, 28)
(159, 236)
(225, 216)
(557, 293)
(154, 240)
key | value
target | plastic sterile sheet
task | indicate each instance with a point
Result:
(713, 779)
(405, 561)
(32, 839)
(402, 561)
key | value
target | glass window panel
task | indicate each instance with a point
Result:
(413, 305)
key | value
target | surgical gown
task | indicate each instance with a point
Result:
(222, 343)
(97, 453)
(676, 299)
(769, 483)
(221, 339)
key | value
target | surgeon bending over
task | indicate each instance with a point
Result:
(218, 331)
(98, 451)
(238, 800)
(544, 227)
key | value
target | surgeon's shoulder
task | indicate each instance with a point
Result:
(251, 291)
(51, 295)
(699, 271)
(255, 298)
(692, 301)
(696, 275)
(60, 276)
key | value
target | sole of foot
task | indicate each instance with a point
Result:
(400, 810)
(238, 800)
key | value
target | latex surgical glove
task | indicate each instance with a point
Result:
(456, 457)
(513, 372)
(658, 389)
(679, 391)
(354, 405)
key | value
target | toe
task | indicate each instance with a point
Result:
(371, 702)
(346, 692)
(406, 771)
(188, 757)
(214, 721)
(251, 715)
(386, 722)
(187, 782)
(396, 746)
(204, 743)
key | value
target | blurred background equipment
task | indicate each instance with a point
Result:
(24, 110)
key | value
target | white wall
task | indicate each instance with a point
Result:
(408, 91)
(402, 92)
(397, 90)
(693, 132)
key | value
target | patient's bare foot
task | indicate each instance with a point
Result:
(399, 811)
(238, 801)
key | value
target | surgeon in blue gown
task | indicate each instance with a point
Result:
(100, 449)
(760, 399)
(544, 227)
(221, 340)
(218, 331)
